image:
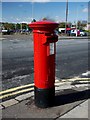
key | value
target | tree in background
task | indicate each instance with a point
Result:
(62, 25)
(48, 19)
(24, 26)
(45, 18)
(69, 24)
(21, 26)
(18, 27)
(6, 26)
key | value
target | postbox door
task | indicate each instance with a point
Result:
(51, 64)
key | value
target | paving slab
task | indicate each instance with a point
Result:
(80, 111)
(25, 96)
(65, 101)
(27, 109)
(66, 86)
(9, 103)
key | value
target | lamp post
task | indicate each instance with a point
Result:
(21, 27)
(32, 10)
(66, 16)
(76, 21)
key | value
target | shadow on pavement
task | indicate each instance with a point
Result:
(70, 97)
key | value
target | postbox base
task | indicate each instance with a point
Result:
(44, 97)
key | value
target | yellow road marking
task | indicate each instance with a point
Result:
(31, 85)
(57, 81)
(20, 87)
(17, 88)
(15, 93)
(80, 79)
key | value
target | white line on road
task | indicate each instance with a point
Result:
(2, 38)
(86, 74)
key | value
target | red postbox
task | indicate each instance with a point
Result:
(44, 62)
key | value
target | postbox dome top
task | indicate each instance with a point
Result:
(45, 26)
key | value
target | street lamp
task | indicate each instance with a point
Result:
(66, 16)
(32, 10)
(76, 21)
(21, 26)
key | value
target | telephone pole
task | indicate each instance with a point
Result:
(66, 16)
(32, 10)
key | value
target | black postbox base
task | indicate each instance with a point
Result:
(44, 97)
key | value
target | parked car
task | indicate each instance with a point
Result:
(7, 32)
(74, 32)
(82, 33)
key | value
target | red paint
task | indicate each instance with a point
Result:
(44, 63)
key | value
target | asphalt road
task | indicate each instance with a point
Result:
(17, 60)
(72, 57)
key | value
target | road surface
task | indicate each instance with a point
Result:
(17, 60)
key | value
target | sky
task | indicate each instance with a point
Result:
(25, 11)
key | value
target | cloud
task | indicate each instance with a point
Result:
(85, 10)
(18, 19)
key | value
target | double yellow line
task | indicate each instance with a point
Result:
(22, 89)
(14, 91)
(17, 90)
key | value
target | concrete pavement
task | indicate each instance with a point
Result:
(71, 101)
(81, 111)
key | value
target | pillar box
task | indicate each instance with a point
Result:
(44, 62)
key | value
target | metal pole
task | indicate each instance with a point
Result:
(66, 16)
(32, 10)
(76, 20)
(15, 28)
(21, 27)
